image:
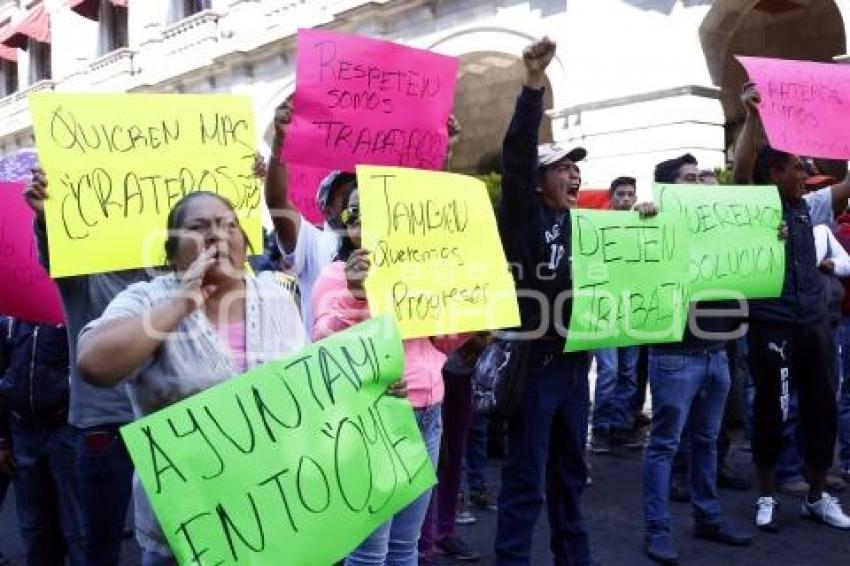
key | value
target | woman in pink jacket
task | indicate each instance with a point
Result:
(340, 302)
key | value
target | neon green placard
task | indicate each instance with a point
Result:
(627, 280)
(734, 250)
(295, 462)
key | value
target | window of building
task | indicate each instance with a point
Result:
(40, 64)
(113, 27)
(8, 77)
(184, 8)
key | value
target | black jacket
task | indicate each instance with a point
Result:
(536, 238)
(802, 293)
(34, 373)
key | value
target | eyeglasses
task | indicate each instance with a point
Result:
(350, 216)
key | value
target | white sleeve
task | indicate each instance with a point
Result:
(820, 206)
(305, 247)
(838, 255)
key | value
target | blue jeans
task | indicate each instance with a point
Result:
(546, 445)
(46, 492)
(105, 473)
(476, 452)
(616, 385)
(844, 395)
(686, 389)
(395, 542)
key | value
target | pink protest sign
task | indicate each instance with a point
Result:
(805, 106)
(26, 292)
(303, 184)
(365, 101)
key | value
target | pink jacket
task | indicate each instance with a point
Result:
(335, 309)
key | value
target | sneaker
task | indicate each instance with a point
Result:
(463, 517)
(601, 443)
(632, 439)
(482, 499)
(767, 513)
(835, 484)
(798, 488)
(827, 510)
(456, 548)
(723, 532)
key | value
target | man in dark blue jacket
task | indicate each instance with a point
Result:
(548, 431)
(37, 440)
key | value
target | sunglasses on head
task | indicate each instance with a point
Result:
(350, 216)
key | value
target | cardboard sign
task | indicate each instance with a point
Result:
(296, 461)
(437, 262)
(804, 105)
(117, 163)
(26, 292)
(365, 101)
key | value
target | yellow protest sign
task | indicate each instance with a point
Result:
(437, 262)
(117, 163)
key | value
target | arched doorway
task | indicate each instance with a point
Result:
(487, 87)
(811, 30)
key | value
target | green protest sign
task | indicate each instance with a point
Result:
(734, 248)
(627, 280)
(295, 462)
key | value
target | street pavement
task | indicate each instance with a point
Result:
(613, 514)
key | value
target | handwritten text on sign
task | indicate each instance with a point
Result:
(804, 105)
(437, 261)
(116, 164)
(734, 248)
(627, 279)
(256, 470)
(26, 292)
(365, 101)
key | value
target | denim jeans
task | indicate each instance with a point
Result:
(47, 494)
(395, 542)
(546, 447)
(616, 384)
(475, 460)
(686, 389)
(105, 473)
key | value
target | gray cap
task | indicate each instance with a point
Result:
(549, 153)
(333, 180)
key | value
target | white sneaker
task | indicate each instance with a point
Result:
(766, 514)
(826, 510)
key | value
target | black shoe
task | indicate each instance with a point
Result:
(659, 548)
(728, 479)
(482, 499)
(679, 491)
(455, 547)
(642, 421)
(632, 439)
(601, 442)
(723, 533)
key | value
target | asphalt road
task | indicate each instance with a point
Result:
(612, 509)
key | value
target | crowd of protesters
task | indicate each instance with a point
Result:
(65, 390)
